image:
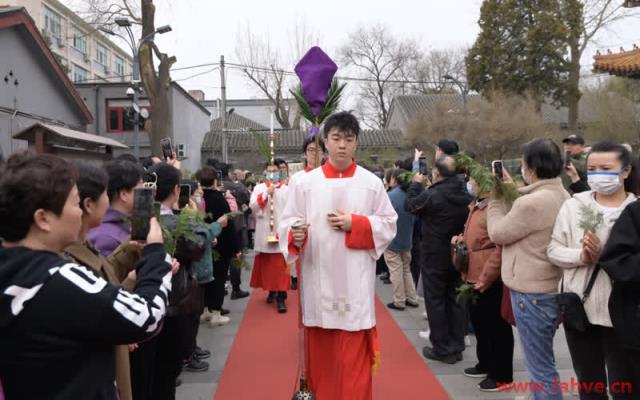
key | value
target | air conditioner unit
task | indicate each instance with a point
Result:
(181, 150)
(86, 57)
(60, 42)
(106, 70)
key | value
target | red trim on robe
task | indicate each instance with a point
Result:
(293, 249)
(331, 172)
(270, 272)
(361, 236)
(261, 201)
(340, 364)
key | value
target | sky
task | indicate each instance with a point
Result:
(205, 29)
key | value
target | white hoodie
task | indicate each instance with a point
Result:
(565, 249)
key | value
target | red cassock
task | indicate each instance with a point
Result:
(270, 272)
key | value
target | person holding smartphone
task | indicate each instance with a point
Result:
(59, 321)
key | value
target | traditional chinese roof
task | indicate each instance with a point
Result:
(624, 63)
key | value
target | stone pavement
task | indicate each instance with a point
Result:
(202, 386)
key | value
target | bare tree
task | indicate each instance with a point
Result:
(157, 82)
(382, 60)
(430, 70)
(494, 129)
(585, 18)
(263, 66)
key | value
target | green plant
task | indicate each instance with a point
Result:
(590, 219)
(330, 106)
(466, 294)
(187, 221)
(263, 146)
(485, 180)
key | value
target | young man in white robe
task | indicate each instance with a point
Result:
(313, 155)
(338, 221)
(270, 270)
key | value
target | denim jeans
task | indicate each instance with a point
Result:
(537, 321)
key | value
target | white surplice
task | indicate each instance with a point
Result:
(263, 215)
(338, 283)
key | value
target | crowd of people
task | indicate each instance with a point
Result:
(96, 315)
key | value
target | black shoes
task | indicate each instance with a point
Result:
(294, 283)
(271, 297)
(412, 305)
(475, 372)
(429, 353)
(239, 294)
(282, 306)
(488, 385)
(201, 354)
(393, 306)
(224, 311)
(195, 365)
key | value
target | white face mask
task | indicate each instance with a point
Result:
(524, 176)
(605, 182)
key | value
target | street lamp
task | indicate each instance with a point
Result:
(463, 89)
(135, 80)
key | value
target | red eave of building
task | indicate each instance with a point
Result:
(21, 17)
(624, 63)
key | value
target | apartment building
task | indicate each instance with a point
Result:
(85, 53)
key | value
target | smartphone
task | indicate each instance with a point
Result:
(423, 165)
(497, 168)
(156, 209)
(142, 213)
(185, 195)
(167, 148)
(567, 159)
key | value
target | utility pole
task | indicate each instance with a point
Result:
(223, 114)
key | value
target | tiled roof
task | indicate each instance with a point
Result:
(237, 121)
(68, 136)
(292, 139)
(411, 106)
(624, 63)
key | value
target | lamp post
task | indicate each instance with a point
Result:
(135, 79)
(463, 89)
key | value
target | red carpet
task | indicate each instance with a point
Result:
(263, 362)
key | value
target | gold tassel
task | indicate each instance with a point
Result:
(377, 361)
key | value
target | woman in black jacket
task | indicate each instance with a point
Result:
(621, 260)
(216, 206)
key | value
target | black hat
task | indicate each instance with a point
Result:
(448, 147)
(574, 139)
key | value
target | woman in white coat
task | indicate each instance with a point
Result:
(613, 179)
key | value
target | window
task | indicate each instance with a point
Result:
(52, 22)
(119, 66)
(101, 54)
(80, 42)
(119, 118)
(80, 74)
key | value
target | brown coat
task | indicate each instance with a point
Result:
(484, 256)
(113, 269)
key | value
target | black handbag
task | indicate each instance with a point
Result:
(460, 256)
(572, 306)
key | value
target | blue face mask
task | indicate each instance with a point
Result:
(273, 176)
(199, 201)
(470, 189)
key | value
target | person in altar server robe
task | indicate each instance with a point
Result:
(338, 222)
(313, 154)
(270, 270)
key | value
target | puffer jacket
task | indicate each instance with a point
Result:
(484, 255)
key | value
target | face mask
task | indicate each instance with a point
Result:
(524, 177)
(604, 182)
(199, 201)
(470, 189)
(273, 176)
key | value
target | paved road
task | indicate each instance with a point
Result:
(201, 386)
